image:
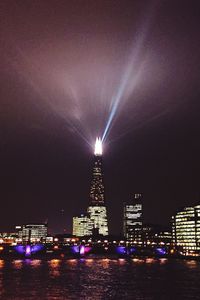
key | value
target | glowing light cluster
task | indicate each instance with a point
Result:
(98, 146)
(28, 250)
(82, 250)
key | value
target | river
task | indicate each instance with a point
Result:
(99, 278)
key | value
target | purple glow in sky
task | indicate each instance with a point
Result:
(91, 78)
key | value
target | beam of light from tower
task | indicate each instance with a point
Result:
(128, 78)
(35, 84)
(116, 102)
(98, 146)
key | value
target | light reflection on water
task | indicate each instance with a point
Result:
(138, 260)
(72, 262)
(54, 266)
(99, 278)
(150, 260)
(89, 262)
(1, 263)
(35, 263)
(105, 263)
(54, 263)
(163, 261)
(122, 261)
(17, 263)
(192, 264)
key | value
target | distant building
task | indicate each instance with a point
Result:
(8, 237)
(163, 237)
(133, 219)
(81, 225)
(32, 232)
(186, 229)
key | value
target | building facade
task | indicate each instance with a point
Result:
(81, 225)
(186, 229)
(156, 235)
(98, 220)
(97, 208)
(133, 220)
(32, 232)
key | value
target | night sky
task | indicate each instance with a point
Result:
(67, 67)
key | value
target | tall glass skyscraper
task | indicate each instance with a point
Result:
(133, 219)
(97, 209)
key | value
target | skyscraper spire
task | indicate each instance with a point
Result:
(97, 196)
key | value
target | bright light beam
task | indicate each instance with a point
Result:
(35, 84)
(127, 73)
(116, 102)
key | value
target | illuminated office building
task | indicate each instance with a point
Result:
(98, 218)
(186, 229)
(133, 219)
(97, 209)
(32, 232)
(81, 225)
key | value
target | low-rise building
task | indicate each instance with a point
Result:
(186, 229)
(32, 232)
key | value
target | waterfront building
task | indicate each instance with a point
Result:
(186, 229)
(163, 238)
(8, 237)
(32, 232)
(82, 225)
(97, 209)
(133, 220)
(156, 235)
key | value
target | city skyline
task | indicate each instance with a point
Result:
(99, 149)
(97, 199)
(124, 71)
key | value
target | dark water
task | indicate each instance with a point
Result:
(99, 278)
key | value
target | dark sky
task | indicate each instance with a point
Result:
(66, 66)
